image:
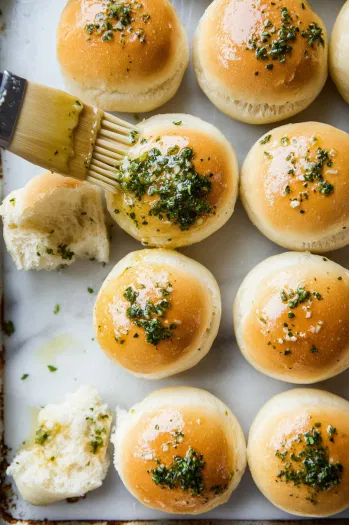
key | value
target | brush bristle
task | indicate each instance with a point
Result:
(56, 131)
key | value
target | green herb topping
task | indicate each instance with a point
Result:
(265, 139)
(312, 466)
(314, 35)
(275, 42)
(184, 473)
(52, 368)
(41, 436)
(310, 170)
(8, 328)
(24, 377)
(56, 309)
(118, 17)
(98, 431)
(150, 317)
(64, 252)
(182, 192)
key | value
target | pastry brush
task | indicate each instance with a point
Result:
(57, 131)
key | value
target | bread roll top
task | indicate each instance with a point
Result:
(295, 181)
(299, 452)
(180, 450)
(152, 314)
(179, 183)
(298, 326)
(118, 46)
(263, 52)
(167, 437)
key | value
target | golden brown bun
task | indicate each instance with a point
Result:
(168, 423)
(318, 346)
(124, 73)
(286, 207)
(279, 428)
(339, 51)
(213, 154)
(226, 64)
(195, 309)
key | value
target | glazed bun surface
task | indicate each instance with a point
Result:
(298, 452)
(339, 51)
(194, 184)
(260, 62)
(122, 56)
(172, 426)
(157, 313)
(291, 318)
(295, 186)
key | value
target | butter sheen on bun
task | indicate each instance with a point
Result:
(261, 62)
(291, 318)
(178, 185)
(157, 313)
(122, 56)
(182, 434)
(295, 186)
(298, 452)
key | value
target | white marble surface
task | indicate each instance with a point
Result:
(65, 340)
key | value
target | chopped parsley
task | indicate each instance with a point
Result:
(56, 309)
(331, 431)
(314, 34)
(313, 172)
(90, 290)
(118, 17)
(13, 201)
(52, 368)
(24, 377)
(150, 317)
(312, 466)
(183, 473)
(265, 140)
(134, 134)
(182, 193)
(41, 436)
(64, 252)
(177, 123)
(275, 41)
(8, 328)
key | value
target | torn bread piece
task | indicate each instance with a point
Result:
(68, 456)
(54, 220)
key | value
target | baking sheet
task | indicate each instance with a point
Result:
(66, 340)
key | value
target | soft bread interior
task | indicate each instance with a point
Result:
(54, 220)
(67, 458)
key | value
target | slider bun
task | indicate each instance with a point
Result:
(67, 458)
(213, 158)
(319, 323)
(278, 431)
(339, 51)
(54, 220)
(124, 73)
(281, 199)
(191, 313)
(172, 422)
(238, 82)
